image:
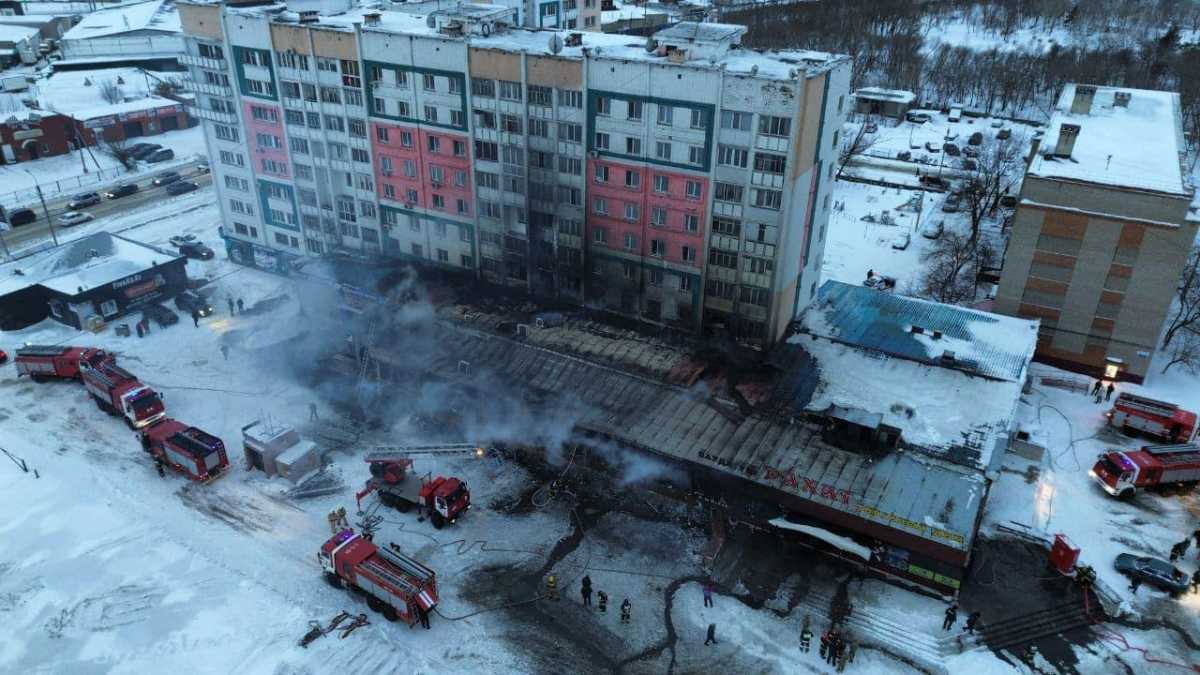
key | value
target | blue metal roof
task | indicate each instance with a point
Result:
(984, 344)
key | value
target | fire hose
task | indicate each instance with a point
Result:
(1115, 639)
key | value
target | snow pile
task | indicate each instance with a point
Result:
(844, 543)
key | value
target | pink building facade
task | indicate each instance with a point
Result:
(422, 168)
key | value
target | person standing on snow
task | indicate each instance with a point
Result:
(1096, 388)
(241, 307)
(229, 299)
(951, 616)
(708, 591)
(1109, 391)
(626, 610)
(603, 598)
(712, 635)
(585, 590)
(972, 621)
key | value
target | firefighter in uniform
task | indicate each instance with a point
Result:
(626, 608)
(337, 520)
(158, 464)
(552, 587)
(603, 601)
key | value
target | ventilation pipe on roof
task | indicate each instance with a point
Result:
(1067, 134)
(1121, 99)
(1082, 103)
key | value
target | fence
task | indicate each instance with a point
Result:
(28, 196)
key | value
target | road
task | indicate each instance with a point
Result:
(147, 192)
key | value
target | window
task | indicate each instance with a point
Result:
(543, 96)
(601, 140)
(658, 248)
(335, 123)
(232, 159)
(225, 133)
(461, 206)
(699, 119)
(458, 118)
(435, 144)
(454, 84)
(293, 117)
(570, 226)
(406, 139)
(722, 258)
(758, 265)
(768, 199)
(486, 152)
(240, 207)
(540, 160)
(410, 168)
(572, 166)
(310, 92)
(630, 242)
(327, 65)
(662, 150)
(600, 173)
(289, 89)
(570, 195)
(514, 185)
(538, 128)
(510, 91)
(215, 52)
(429, 82)
(755, 296)
(410, 196)
(666, 115)
(303, 171)
(298, 145)
(487, 180)
(235, 183)
(600, 235)
(632, 211)
(687, 254)
(490, 210)
(358, 128)
(485, 119)
(693, 189)
(727, 192)
(438, 175)
(569, 131)
(381, 134)
(367, 209)
(378, 105)
(439, 202)
(510, 123)
(418, 251)
(770, 125)
(431, 113)
(389, 191)
(313, 120)
(600, 206)
(460, 178)
(727, 226)
(603, 105)
(634, 110)
(482, 87)
(273, 167)
(570, 98)
(262, 114)
(769, 163)
(658, 216)
(330, 95)
(633, 146)
(728, 155)
(589, 21)
(633, 179)
(512, 154)
(277, 191)
(359, 155)
(402, 109)
(258, 87)
(695, 154)
(691, 222)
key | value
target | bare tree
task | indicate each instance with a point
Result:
(1187, 314)
(118, 151)
(994, 175)
(1186, 352)
(853, 147)
(951, 267)
(111, 92)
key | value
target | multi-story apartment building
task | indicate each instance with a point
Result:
(683, 181)
(1102, 230)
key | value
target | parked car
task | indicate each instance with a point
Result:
(1004, 134)
(160, 156)
(19, 217)
(122, 190)
(203, 167)
(933, 230)
(141, 150)
(72, 218)
(901, 241)
(951, 204)
(951, 149)
(79, 201)
(971, 152)
(181, 187)
(880, 282)
(918, 117)
(167, 178)
(160, 315)
(870, 127)
(975, 138)
(934, 181)
(904, 156)
(1153, 571)
(932, 147)
(197, 251)
(181, 239)
(1008, 201)
(189, 303)
(970, 164)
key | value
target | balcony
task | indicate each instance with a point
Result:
(212, 115)
(202, 62)
(212, 89)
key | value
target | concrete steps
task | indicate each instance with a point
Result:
(925, 650)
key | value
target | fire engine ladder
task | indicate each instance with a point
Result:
(377, 568)
(389, 453)
(1178, 453)
(41, 350)
(1147, 405)
(364, 355)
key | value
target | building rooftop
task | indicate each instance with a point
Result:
(949, 337)
(156, 15)
(1137, 145)
(767, 64)
(86, 263)
(693, 31)
(879, 94)
(79, 92)
(15, 33)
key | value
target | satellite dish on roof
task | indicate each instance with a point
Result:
(431, 21)
(556, 43)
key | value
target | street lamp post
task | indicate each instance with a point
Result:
(45, 211)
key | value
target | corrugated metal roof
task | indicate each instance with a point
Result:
(989, 345)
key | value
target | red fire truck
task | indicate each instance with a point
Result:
(1122, 472)
(198, 454)
(118, 392)
(445, 498)
(48, 362)
(1133, 414)
(396, 586)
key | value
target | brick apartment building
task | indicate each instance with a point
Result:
(1102, 230)
(683, 181)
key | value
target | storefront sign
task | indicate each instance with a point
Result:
(100, 122)
(27, 134)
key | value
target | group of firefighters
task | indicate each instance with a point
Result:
(585, 591)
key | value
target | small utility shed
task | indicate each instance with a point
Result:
(102, 274)
(887, 102)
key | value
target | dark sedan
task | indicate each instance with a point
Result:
(160, 315)
(196, 250)
(1153, 571)
(181, 187)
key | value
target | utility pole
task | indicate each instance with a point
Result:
(45, 211)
